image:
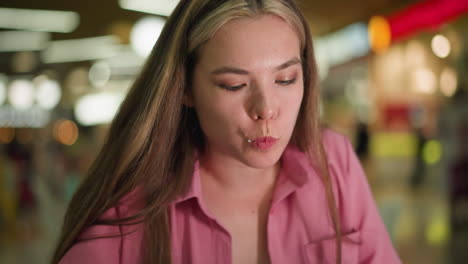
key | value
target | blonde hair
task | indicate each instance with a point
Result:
(153, 138)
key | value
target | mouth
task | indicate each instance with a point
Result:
(262, 143)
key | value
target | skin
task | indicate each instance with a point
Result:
(248, 83)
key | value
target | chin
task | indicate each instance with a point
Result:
(263, 159)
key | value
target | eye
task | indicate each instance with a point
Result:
(285, 82)
(231, 88)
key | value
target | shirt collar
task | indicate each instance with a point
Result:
(295, 172)
(195, 187)
(295, 165)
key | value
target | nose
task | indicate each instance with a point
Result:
(263, 106)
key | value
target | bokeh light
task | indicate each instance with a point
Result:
(448, 81)
(48, 93)
(379, 34)
(21, 94)
(432, 152)
(65, 131)
(145, 33)
(158, 7)
(6, 134)
(94, 109)
(424, 81)
(440, 46)
(39, 20)
(383, 144)
(438, 229)
(99, 73)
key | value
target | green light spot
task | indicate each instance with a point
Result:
(432, 151)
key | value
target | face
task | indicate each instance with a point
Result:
(248, 88)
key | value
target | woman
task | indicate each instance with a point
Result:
(217, 155)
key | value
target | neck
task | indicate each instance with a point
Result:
(232, 176)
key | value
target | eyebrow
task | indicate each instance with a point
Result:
(227, 69)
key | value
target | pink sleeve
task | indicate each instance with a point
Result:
(376, 246)
(93, 251)
(116, 244)
(99, 250)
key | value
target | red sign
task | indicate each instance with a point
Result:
(425, 15)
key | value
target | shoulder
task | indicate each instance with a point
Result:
(342, 159)
(96, 244)
(345, 169)
(108, 243)
(338, 149)
(334, 142)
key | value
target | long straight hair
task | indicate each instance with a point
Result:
(153, 139)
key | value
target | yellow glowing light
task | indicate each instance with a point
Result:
(438, 231)
(432, 151)
(448, 82)
(6, 134)
(380, 35)
(383, 144)
(65, 132)
(440, 46)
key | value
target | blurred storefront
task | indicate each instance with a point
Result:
(404, 103)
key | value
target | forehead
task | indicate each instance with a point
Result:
(255, 43)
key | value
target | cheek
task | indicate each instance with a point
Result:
(291, 103)
(298, 102)
(217, 115)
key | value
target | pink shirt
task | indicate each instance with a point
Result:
(299, 229)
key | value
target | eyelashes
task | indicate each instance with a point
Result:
(232, 88)
(238, 87)
(285, 82)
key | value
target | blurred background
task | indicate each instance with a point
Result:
(394, 76)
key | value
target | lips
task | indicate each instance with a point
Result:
(263, 142)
